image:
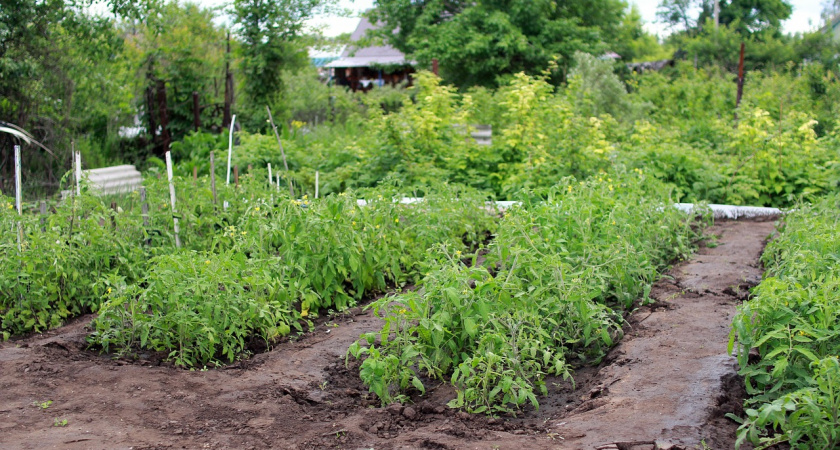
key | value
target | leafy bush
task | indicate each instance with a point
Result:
(548, 296)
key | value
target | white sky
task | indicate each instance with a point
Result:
(805, 17)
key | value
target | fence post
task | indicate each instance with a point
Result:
(316, 184)
(172, 198)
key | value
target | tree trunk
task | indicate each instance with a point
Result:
(226, 118)
(166, 138)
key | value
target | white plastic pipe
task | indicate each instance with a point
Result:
(270, 179)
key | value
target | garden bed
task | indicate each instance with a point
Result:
(670, 381)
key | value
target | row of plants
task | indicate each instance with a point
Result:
(546, 295)
(788, 335)
(254, 269)
(681, 126)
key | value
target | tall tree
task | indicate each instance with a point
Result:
(677, 14)
(269, 32)
(481, 43)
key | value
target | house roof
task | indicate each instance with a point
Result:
(354, 56)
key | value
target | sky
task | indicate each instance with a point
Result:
(805, 17)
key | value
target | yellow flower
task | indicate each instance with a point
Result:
(396, 220)
(257, 208)
(354, 223)
(207, 262)
(403, 311)
(244, 233)
(109, 290)
(458, 253)
(570, 188)
(377, 227)
(305, 197)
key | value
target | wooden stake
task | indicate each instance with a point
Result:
(282, 152)
(43, 216)
(172, 198)
(213, 176)
(18, 202)
(144, 210)
(195, 175)
(114, 215)
(230, 147)
(740, 82)
(196, 112)
(78, 159)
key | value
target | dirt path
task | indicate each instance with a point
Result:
(670, 381)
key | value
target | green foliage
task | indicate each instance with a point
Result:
(548, 295)
(199, 307)
(268, 31)
(792, 323)
(55, 277)
(484, 43)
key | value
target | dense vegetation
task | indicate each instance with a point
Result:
(545, 295)
(594, 152)
(252, 270)
(792, 324)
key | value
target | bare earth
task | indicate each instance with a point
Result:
(666, 385)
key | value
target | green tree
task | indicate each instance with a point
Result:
(484, 43)
(677, 14)
(269, 31)
(752, 16)
(59, 72)
(175, 51)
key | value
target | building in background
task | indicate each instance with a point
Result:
(364, 68)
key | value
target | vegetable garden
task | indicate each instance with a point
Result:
(486, 310)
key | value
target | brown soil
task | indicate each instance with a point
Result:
(668, 383)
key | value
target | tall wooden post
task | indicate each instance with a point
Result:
(740, 82)
(144, 211)
(163, 114)
(196, 112)
(213, 175)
